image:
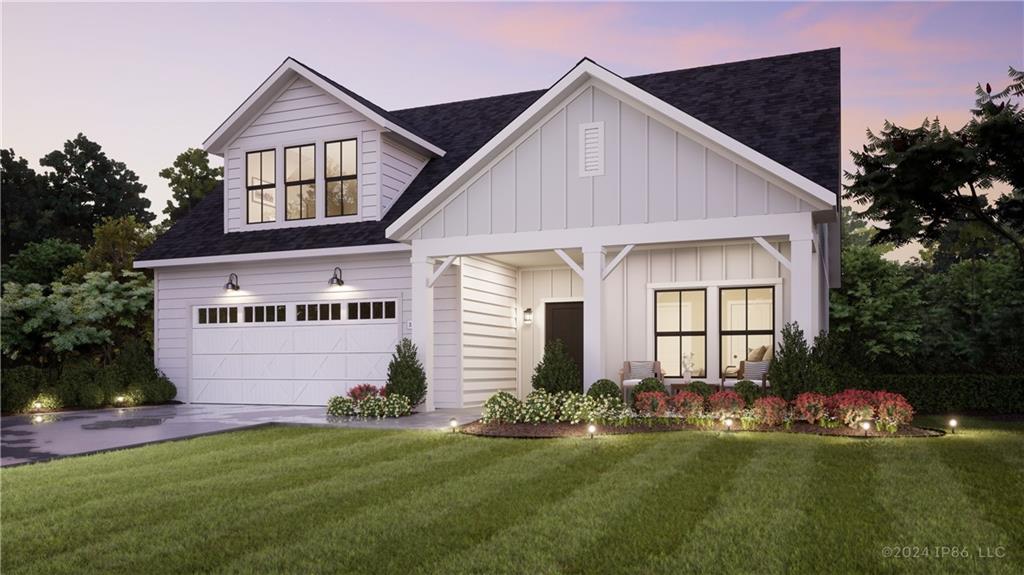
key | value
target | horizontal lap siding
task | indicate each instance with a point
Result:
(489, 295)
(651, 174)
(303, 280)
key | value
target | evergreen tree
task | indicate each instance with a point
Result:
(557, 371)
(25, 213)
(405, 373)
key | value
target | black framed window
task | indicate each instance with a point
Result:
(260, 187)
(680, 331)
(340, 162)
(747, 322)
(300, 182)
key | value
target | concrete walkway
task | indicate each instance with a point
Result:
(33, 438)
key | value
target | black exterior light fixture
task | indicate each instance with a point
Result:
(232, 284)
(336, 279)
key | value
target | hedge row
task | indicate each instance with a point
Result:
(131, 377)
(954, 393)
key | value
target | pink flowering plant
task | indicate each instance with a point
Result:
(363, 391)
(893, 410)
(726, 404)
(853, 406)
(770, 411)
(651, 403)
(688, 404)
(811, 407)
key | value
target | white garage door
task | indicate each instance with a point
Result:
(290, 354)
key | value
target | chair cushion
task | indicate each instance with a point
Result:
(767, 355)
(757, 354)
(640, 370)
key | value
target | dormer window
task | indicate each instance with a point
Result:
(260, 187)
(300, 182)
(340, 178)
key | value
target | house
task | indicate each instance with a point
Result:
(684, 216)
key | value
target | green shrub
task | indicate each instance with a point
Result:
(341, 406)
(1003, 394)
(158, 389)
(111, 381)
(20, 387)
(604, 388)
(576, 408)
(540, 407)
(748, 390)
(502, 407)
(795, 369)
(405, 373)
(556, 370)
(143, 382)
(372, 406)
(701, 387)
(396, 405)
(649, 384)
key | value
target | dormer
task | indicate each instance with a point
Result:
(303, 150)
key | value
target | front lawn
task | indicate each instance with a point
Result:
(305, 500)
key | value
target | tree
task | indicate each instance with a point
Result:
(190, 178)
(25, 215)
(115, 244)
(41, 262)
(87, 187)
(405, 373)
(557, 371)
(919, 181)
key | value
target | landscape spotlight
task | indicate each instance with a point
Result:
(591, 429)
(865, 425)
(119, 399)
(37, 405)
(453, 423)
(952, 426)
(728, 423)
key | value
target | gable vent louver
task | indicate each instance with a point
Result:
(592, 149)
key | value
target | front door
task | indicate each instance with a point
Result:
(564, 321)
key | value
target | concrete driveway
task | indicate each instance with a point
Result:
(34, 438)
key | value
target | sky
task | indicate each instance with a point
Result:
(147, 81)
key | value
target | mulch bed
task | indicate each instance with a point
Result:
(549, 430)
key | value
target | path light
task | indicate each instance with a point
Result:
(232, 284)
(728, 423)
(453, 423)
(865, 425)
(591, 429)
(952, 426)
(336, 280)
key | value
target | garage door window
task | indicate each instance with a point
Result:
(264, 313)
(208, 315)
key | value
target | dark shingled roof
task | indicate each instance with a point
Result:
(786, 107)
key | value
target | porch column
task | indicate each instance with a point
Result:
(423, 319)
(802, 298)
(593, 312)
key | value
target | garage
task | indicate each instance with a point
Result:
(296, 353)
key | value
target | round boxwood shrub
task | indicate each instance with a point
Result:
(698, 386)
(158, 389)
(748, 390)
(649, 384)
(604, 388)
(502, 407)
(111, 381)
(20, 386)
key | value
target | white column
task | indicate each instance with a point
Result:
(423, 320)
(593, 312)
(802, 298)
(714, 337)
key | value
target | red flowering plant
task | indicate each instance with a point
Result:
(853, 406)
(770, 410)
(688, 403)
(893, 410)
(364, 390)
(811, 407)
(651, 403)
(726, 404)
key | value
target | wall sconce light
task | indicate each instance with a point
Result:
(232, 284)
(528, 316)
(336, 279)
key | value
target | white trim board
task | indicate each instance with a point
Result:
(271, 256)
(588, 71)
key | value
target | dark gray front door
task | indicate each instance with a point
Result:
(564, 321)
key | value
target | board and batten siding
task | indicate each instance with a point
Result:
(302, 114)
(626, 317)
(652, 173)
(398, 167)
(489, 332)
(179, 289)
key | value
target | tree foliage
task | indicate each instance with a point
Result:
(85, 187)
(557, 371)
(41, 262)
(116, 243)
(919, 181)
(25, 216)
(190, 178)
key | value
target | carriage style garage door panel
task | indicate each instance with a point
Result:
(303, 360)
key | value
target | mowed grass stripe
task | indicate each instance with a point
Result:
(753, 516)
(160, 521)
(928, 506)
(553, 536)
(403, 528)
(209, 457)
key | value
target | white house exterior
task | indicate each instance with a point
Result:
(600, 211)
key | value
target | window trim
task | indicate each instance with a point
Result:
(300, 183)
(248, 188)
(341, 178)
(680, 333)
(746, 333)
